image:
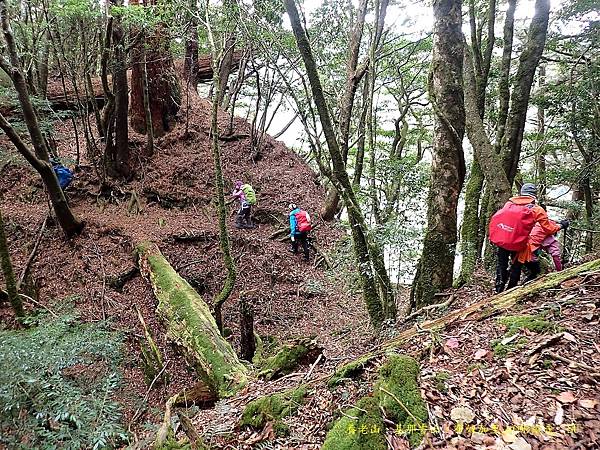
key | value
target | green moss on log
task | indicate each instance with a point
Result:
(361, 428)
(399, 395)
(288, 358)
(350, 370)
(190, 324)
(273, 408)
(514, 324)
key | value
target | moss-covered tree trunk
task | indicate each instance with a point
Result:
(470, 232)
(448, 165)
(469, 236)
(190, 324)
(217, 60)
(9, 274)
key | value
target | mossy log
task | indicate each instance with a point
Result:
(289, 356)
(273, 408)
(190, 324)
(397, 395)
(475, 312)
(360, 428)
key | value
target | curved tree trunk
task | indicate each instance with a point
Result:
(39, 157)
(374, 281)
(448, 166)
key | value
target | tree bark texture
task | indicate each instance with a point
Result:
(504, 82)
(9, 274)
(163, 85)
(528, 62)
(117, 157)
(247, 341)
(469, 235)
(448, 165)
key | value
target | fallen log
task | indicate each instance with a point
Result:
(190, 324)
(477, 311)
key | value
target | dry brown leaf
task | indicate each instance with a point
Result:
(481, 353)
(462, 414)
(268, 433)
(520, 444)
(559, 415)
(588, 403)
(566, 397)
(509, 435)
(569, 337)
(452, 343)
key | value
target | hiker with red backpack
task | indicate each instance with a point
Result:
(300, 226)
(247, 198)
(509, 230)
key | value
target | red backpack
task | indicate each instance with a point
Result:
(303, 221)
(511, 225)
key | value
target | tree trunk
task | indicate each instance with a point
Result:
(498, 185)
(39, 158)
(448, 166)
(528, 62)
(247, 341)
(147, 110)
(9, 274)
(469, 237)
(228, 285)
(43, 66)
(164, 90)
(504, 82)
(190, 325)
(540, 160)
(190, 65)
(470, 227)
(369, 255)
(353, 77)
(118, 158)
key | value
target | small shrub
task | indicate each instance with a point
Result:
(58, 381)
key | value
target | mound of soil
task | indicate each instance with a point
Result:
(175, 189)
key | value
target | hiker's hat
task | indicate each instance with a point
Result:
(529, 189)
(292, 206)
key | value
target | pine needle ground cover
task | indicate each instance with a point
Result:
(58, 383)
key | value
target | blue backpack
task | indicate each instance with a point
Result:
(64, 175)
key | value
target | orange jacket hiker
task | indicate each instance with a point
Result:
(546, 226)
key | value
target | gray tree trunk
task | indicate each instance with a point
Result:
(448, 165)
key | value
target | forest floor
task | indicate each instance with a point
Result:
(175, 189)
(523, 379)
(492, 375)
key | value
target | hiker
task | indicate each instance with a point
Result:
(299, 229)
(509, 230)
(247, 197)
(539, 240)
(63, 174)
